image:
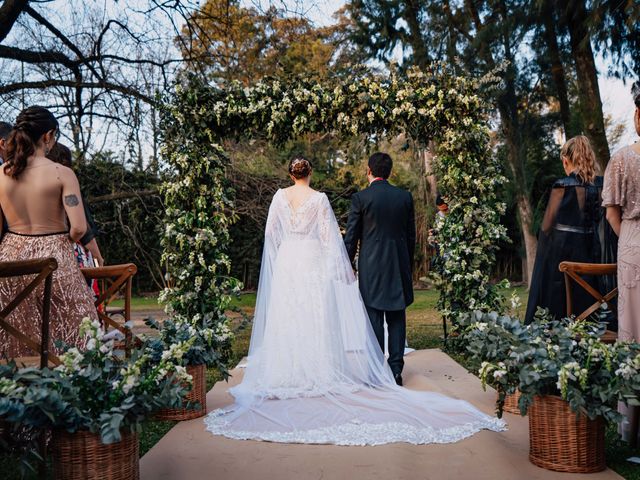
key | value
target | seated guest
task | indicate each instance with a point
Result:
(41, 202)
(5, 129)
(569, 232)
(88, 246)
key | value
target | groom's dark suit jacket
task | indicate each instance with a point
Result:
(382, 221)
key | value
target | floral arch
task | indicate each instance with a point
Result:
(425, 105)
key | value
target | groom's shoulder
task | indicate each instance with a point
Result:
(399, 191)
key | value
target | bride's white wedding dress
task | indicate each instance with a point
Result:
(315, 372)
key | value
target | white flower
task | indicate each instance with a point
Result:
(481, 326)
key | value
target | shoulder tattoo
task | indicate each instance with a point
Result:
(71, 200)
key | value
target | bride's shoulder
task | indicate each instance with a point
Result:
(320, 195)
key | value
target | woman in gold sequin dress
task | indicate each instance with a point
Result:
(41, 203)
(621, 196)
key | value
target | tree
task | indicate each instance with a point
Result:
(576, 17)
(608, 27)
(231, 42)
(99, 67)
(543, 52)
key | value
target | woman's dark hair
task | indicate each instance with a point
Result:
(61, 154)
(635, 93)
(32, 123)
(380, 165)
(300, 167)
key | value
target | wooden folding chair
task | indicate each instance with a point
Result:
(43, 270)
(572, 273)
(115, 280)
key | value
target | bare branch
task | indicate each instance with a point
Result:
(14, 87)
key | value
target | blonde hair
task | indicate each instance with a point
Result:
(580, 154)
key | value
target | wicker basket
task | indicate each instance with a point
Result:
(562, 441)
(82, 455)
(511, 403)
(197, 397)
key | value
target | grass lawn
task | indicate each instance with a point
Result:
(139, 303)
(424, 330)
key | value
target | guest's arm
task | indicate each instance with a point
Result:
(354, 227)
(92, 229)
(93, 247)
(72, 202)
(614, 217)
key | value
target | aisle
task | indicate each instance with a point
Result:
(189, 452)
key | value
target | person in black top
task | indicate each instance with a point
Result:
(382, 223)
(571, 231)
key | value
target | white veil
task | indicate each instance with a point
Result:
(315, 372)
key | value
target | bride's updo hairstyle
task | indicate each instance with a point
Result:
(32, 123)
(581, 156)
(299, 168)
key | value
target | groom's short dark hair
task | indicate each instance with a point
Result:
(380, 164)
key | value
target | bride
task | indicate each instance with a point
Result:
(315, 371)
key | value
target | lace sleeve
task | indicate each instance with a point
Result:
(614, 191)
(272, 231)
(335, 254)
(326, 221)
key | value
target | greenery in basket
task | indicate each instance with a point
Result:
(94, 390)
(210, 346)
(554, 357)
(487, 340)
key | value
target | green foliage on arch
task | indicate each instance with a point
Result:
(432, 105)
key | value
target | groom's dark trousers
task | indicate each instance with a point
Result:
(396, 327)
(381, 232)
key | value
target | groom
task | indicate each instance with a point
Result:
(382, 221)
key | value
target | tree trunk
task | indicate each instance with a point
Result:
(525, 213)
(587, 77)
(557, 68)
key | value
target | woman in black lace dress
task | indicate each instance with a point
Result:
(569, 232)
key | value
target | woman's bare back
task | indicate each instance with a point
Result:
(33, 204)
